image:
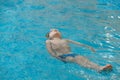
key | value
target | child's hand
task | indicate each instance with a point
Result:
(92, 49)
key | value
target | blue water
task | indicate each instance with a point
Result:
(24, 23)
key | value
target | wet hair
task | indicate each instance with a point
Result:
(47, 35)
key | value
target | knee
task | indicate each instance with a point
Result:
(80, 57)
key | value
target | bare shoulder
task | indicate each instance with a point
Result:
(67, 40)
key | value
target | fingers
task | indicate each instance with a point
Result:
(92, 49)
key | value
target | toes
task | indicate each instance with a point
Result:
(108, 67)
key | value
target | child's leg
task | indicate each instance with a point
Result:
(86, 63)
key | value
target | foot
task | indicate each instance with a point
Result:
(106, 68)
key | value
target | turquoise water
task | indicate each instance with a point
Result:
(24, 23)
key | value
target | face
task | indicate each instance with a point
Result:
(54, 33)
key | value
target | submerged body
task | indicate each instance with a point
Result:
(60, 49)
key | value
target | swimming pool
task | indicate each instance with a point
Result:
(24, 23)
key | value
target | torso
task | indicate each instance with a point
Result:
(60, 46)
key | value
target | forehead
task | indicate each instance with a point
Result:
(53, 31)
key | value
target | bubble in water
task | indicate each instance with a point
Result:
(107, 41)
(101, 44)
(119, 17)
(111, 16)
(110, 56)
(108, 35)
(105, 56)
(106, 27)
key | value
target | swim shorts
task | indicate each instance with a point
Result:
(67, 55)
